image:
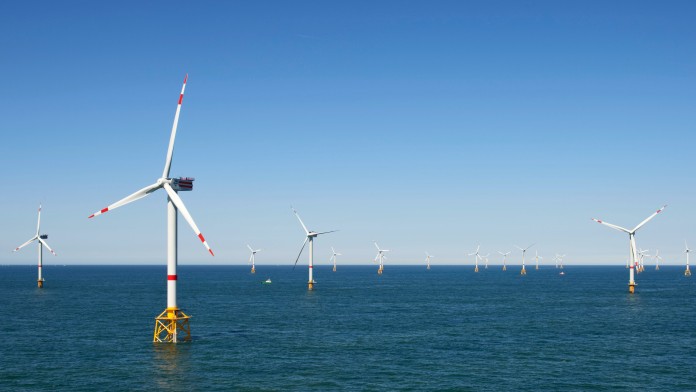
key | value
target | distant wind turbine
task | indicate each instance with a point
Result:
(505, 255)
(657, 258)
(41, 242)
(687, 250)
(476, 257)
(333, 258)
(252, 258)
(311, 235)
(427, 260)
(380, 257)
(537, 257)
(523, 271)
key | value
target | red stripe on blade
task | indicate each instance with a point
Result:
(104, 210)
(201, 237)
(181, 98)
(171, 277)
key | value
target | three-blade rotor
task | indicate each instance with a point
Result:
(164, 182)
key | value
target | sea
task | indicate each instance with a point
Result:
(445, 329)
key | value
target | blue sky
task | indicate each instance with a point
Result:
(431, 126)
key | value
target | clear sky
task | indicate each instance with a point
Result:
(427, 126)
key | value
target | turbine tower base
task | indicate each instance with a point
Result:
(476, 269)
(523, 271)
(631, 288)
(172, 326)
(657, 268)
(379, 271)
(310, 285)
(253, 270)
(504, 268)
(687, 273)
(40, 283)
(334, 268)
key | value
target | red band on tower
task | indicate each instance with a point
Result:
(171, 277)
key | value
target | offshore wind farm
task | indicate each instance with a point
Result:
(398, 131)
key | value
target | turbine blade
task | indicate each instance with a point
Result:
(184, 212)
(649, 218)
(49, 248)
(300, 219)
(249, 248)
(327, 232)
(129, 199)
(26, 243)
(300, 254)
(527, 248)
(172, 137)
(376, 246)
(615, 227)
(38, 223)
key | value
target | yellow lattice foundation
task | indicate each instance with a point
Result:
(172, 326)
(687, 273)
(40, 283)
(253, 270)
(523, 272)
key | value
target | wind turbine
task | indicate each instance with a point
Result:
(311, 235)
(555, 259)
(172, 320)
(523, 271)
(41, 242)
(380, 257)
(427, 259)
(642, 253)
(537, 257)
(687, 250)
(632, 245)
(476, 257)
(252, 258)
(657, 258)
(505, 255)
(486, 259)
(333, 258)
(560, 260)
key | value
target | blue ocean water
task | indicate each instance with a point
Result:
(449, 328)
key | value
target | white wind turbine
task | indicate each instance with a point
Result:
(252, 258)
(687, 250)
(657, 258)
(380, 257)
(311, 235)
(41, 242)
(537, 257)
(633, 251)
(641, 256)
(427, 259)
(333, 258)
(560, 260)
(170, 322)
(505, 255)
(523, 271)
(476, 257)
(486, 259)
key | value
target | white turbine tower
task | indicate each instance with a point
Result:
(657, 258)
(41, 242)
(311, 235)
(687, 250)
(476, 257)
(523, 271)
(505, 255)
(252, 258)
(560, 260)
(633, 251)
(333, 258)
(380, 257)
(173, 320)
(427, 259)
(486, 259)
(537, 257)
